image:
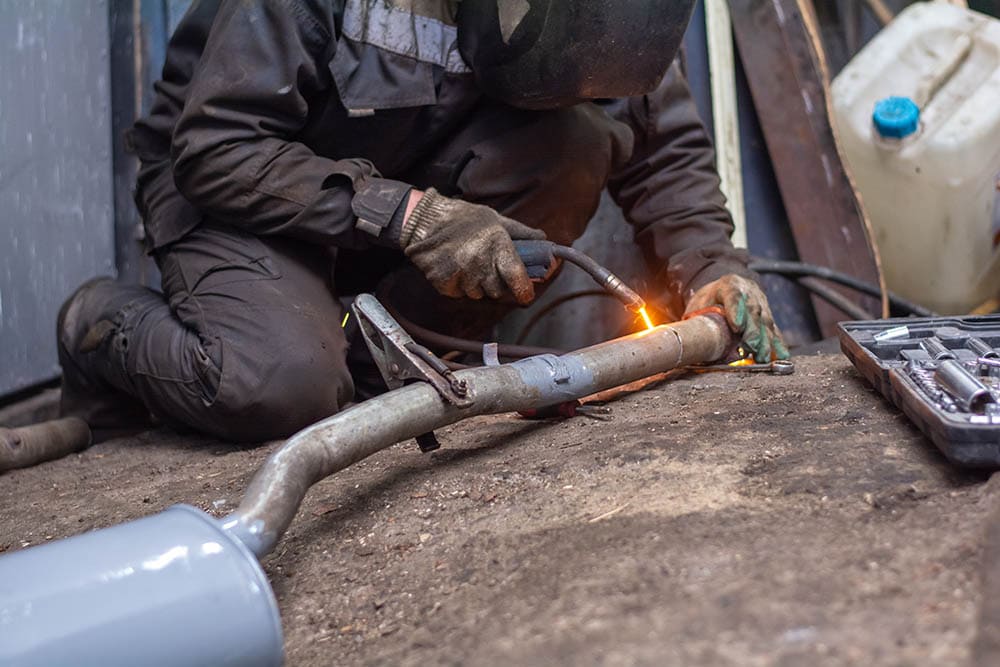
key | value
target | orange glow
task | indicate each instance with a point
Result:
(646, 318)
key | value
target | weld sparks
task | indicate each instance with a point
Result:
(646, 318)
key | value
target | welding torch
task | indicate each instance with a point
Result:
(539, 258)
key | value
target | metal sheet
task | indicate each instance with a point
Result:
(56, 225)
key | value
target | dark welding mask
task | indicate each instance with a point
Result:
(542, 54)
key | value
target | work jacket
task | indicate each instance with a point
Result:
(294, 117)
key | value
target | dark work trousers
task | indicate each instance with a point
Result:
(245, 341)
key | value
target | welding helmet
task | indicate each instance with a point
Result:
(541, 54)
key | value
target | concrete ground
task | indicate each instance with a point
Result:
(715, 520)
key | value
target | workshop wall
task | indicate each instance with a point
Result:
(73, 76)
(57, 226)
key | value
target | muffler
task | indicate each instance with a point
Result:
(169, 589)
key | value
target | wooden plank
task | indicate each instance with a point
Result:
(777, 44)
(725, 114)
(881, 11)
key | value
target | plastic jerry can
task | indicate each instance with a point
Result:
(917, 112)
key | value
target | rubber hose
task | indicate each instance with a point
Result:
(446, 342)
(835, 299)
(790, 269)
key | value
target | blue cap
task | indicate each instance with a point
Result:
(896, 117)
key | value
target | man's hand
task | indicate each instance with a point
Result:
(466, 249)
(747, 312)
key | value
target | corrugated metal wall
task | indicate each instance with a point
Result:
(56, 210)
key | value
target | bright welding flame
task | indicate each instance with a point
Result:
(646, 318)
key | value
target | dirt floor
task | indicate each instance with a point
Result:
(715, 520)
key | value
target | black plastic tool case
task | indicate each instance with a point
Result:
(887, 357)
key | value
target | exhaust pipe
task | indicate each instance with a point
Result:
(30, 445)
(182, 588)
(329, 446)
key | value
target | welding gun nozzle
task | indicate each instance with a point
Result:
(636, 304)
(612, 283)
(624, 293)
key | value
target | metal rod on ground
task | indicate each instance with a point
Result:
(29, 445)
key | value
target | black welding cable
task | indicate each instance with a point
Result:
(549, 307)
(582, 260)
(445, 342)
(835, 299)
(794, 269)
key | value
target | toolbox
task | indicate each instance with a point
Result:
(942, 372)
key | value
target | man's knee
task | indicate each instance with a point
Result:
(265, 397)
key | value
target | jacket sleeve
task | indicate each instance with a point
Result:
(234, 151)
(669, 191)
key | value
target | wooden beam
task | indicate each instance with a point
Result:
(781, 54)
(881, 11)
(725, 113)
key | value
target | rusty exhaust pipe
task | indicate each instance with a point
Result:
(29, 445)
(333, 444)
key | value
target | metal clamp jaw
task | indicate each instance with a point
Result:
(400, 359)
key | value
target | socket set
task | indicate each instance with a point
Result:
(942, 372)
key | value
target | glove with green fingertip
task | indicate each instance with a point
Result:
(747, 312)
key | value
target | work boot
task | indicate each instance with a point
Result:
(92, 353)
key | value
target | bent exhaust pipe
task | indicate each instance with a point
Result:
(182, 588)
(333, 444)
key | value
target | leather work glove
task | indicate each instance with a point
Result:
(467, 249)
(747, 313)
